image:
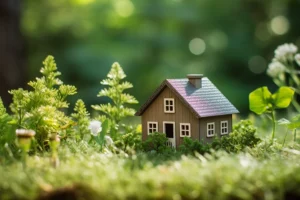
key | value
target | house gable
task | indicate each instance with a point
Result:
(206, 101)
(155, 113)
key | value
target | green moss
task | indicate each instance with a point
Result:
(216, 176)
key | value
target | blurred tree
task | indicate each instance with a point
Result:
(12, 57)
(231, 42)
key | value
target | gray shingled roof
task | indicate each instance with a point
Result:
(206, 101)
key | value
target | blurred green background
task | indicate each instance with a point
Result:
(230, 42)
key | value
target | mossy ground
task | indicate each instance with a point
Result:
(84, 173)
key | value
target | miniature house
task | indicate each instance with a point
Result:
(191, 107)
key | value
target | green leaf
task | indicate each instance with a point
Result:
(283, 97)
(105, 126)
(260, 100)
(294, 125)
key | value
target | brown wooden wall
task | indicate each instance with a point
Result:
(217, 120)
(155, 112)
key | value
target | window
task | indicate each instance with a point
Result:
(169, 105)
(224, 127)
(210, 129)
(152, 127)
(185, 130)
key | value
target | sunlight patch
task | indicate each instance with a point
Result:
(124, 8)
(84, 2)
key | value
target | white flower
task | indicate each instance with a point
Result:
(275, 69)
(297, 59)
(95, 127)
(285, 52)
(108, 140)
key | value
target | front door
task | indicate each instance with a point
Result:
(169, 130)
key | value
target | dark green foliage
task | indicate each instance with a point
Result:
(41, 108)
(242, 136)
(157, 142)
(190, 146)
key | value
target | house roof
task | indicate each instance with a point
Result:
(206, 101)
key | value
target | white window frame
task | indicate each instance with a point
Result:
(174, 129)
(165, 105)
(224, 128)
(210, 129)
(153, 130)
(188, 130)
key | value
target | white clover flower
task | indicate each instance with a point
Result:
(297, 59)
(95, 127)
(285, 52)
(108, 140)
(275, 69)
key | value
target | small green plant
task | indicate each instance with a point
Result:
(157, 142)
(130, 141)
(190, 146)
(54, 144)
(262, 101)
(117, 110)
(81, 118)
(41, 108)
(242, 136)
(291, 125)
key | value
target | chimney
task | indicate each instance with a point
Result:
(195, 79)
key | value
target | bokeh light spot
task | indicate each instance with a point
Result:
(280, 25)
(197, 46)
(257, 64)
(84, 2)
(124, 8)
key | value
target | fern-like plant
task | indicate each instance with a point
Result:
(40, 109)
(81, 117)
(117, 110)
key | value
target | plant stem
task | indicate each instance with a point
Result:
(285, 137)
(295, 132)
(24, 158)
(274, 125)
